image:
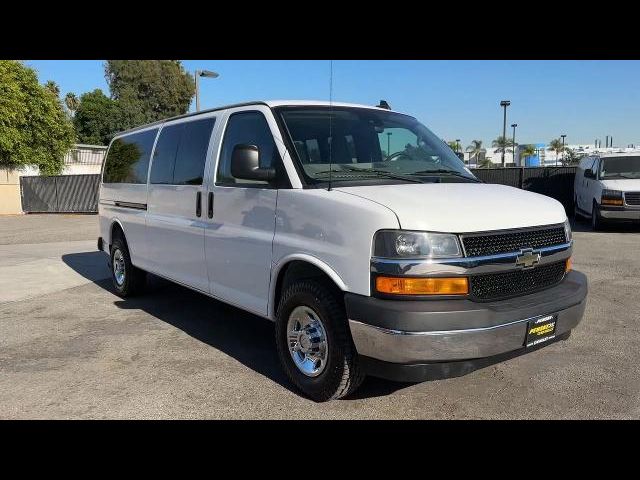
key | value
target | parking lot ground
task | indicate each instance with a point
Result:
(70, 348)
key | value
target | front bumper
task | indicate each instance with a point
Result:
(419, 332)
(619, 213)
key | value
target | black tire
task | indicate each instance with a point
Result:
(134, 278)
(342, 374)
(596, 219)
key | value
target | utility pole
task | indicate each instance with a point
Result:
(514, 125)
(504, 104)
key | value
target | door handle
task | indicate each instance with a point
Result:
(198, 204)
(210, 205)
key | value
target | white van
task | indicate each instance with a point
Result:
(607, 188)
(354, 228)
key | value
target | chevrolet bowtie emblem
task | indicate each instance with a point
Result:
(527, 259)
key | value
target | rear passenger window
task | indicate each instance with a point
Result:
(128, 158)
(181, 153)
(250, 128)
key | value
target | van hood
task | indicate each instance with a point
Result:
(622, 184)
(462, 207)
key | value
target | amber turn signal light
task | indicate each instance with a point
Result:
(422, 286)
(568, 265)
(611, 201)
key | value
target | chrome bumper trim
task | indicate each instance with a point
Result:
(626, 214)
(403, 347)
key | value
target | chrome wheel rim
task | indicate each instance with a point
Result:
(118, 267)
(307, 341)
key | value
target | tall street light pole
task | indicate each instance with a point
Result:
(514, 125)
(504, 104)
(563, 137)
(202, 73)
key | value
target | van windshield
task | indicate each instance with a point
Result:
(620, 167)
(355, 144)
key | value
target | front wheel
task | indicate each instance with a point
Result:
(596, 219)
(314, 342)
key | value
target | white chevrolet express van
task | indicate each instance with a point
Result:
(354, 228)
(607, 188)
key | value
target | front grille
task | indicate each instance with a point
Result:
(513, 241)
(495, 286)
(632, 198)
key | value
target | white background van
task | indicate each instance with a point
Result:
(354, 228)
(607, 188)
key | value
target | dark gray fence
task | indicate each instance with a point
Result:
(60, 194)
(555, 182)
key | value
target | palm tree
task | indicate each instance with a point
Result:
(527, 151)
(52, 87)
(475, 149)
(556, 146)
(72, 102)
(502, 144)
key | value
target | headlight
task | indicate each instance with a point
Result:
(611, 197)
(404, 244)
(567, 230)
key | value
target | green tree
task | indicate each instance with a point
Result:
(455, 146)
(555, 145)
(502, 144)
(72, 102)
(475, 150)
(486, 163)
(149, 90)
(527, 151)
(97, 118)
(571, 157)
(34, 128)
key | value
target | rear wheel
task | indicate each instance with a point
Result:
(127, 279)
(314, 342)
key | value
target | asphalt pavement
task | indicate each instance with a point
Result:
(71, 348)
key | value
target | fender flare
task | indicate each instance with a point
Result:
(277, 268)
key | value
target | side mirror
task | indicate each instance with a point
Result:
(245, 164)
(588, 173)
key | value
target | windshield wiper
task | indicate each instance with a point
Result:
(376, 172)
(446, 171)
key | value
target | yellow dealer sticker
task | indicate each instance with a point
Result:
(540, 329)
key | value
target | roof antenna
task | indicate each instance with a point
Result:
(330, 121)
(383, 104)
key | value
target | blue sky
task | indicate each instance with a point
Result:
(456, 99)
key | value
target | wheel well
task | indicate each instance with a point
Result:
(117, 232)
(299, 270)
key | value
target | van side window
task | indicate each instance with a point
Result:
(249, 128)
(192, 152)
(164, 156)
(181, 153)
(128, 158)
